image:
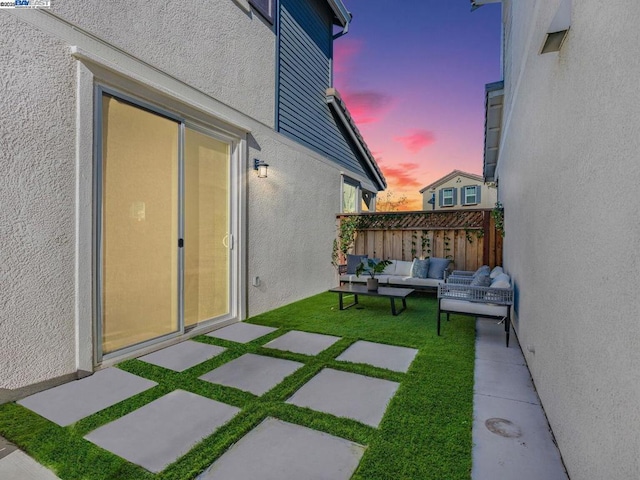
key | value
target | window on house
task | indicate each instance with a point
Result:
(368, 201)
(349, 197)
(447, 197)
(265, 8)
(471, 195)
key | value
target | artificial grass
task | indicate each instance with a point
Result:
(425, 433)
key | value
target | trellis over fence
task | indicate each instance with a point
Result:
(468, 237)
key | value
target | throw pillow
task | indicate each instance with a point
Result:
(420, 268)
(437, 266)
(403, 269)
(483, 270)
(501, 281)
(352, 263)
(495, 272)
(481, 281)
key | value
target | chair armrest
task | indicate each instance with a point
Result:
(497, 296)
(462, 280)
(342, 269)
(460, 273)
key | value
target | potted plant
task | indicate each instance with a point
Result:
(372, 267)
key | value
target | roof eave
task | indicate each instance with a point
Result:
(494, 99)
(335, 101)
(340, 11)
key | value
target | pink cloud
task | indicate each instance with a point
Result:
(367, 106)
(416, 140)
(401, 175)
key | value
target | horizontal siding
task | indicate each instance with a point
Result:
(304, 75)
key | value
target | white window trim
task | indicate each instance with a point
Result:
(445, 198)
(475, 195)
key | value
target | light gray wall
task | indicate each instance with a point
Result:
(568, 173)
(221, 66)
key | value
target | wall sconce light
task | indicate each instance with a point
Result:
(261, 167)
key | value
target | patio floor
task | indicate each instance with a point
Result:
(510, 433)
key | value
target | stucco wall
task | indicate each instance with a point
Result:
(568, 172)
(216, 47)
(291, 224)
(37, 188)
(46, 310)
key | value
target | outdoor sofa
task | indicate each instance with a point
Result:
(477, 294)
(419, 274)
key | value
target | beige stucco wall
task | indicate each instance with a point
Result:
(488, 194)
(222, 67)
(568, 170)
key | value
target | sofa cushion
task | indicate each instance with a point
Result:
(390, 269)
(420, 268)
(437, 267)
(495, 272)
(474, 308)
(501, 281)
(353, 261)
(403, 269)
(410, 282)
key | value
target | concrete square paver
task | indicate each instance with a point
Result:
(344, 394)
(19, 466)
(277, 450)
(75, 400)
(183, 355)
(512, 440)
(241, 332)
(303, 342)
(253, 373)
(162, 431)
(397, 359)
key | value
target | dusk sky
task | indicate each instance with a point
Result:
(412, 73)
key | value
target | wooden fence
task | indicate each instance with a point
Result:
(468, 237)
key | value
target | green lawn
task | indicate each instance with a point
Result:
(425, 434)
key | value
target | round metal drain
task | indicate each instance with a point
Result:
(503, 427)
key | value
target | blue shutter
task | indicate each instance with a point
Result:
(478, 188)
(455, 196)
(440, 197)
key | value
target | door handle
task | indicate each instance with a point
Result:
(180, 242)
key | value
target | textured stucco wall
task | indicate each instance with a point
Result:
(568, 172)
(290, 217)
(215, 47)
(291, 224)
(37, 159)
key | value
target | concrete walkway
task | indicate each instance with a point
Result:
(511, 436)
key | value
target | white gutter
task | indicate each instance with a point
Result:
(342, 14)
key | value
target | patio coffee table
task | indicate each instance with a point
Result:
(389, 292)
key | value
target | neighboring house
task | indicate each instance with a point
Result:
(567, 167)
(132, 216)
(458, 191)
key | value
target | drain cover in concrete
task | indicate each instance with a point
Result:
(241, 332)
(72, 401)
(253, 373)
(390, 357)
(346, 394)
(162, 431)
(183, 355)
(303, 342)
(277, 450)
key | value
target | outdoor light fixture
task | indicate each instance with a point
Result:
(261, 167)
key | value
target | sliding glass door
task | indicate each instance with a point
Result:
(163, 225)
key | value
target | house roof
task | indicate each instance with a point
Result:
(494, 99)
(451, 175)
(478, 3)
(342, 15)
(335, 101)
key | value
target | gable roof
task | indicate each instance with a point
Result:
(451, 175)
(335, 101)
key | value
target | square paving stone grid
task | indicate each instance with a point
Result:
(303, 342)
(183, 356)
(397, 359)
